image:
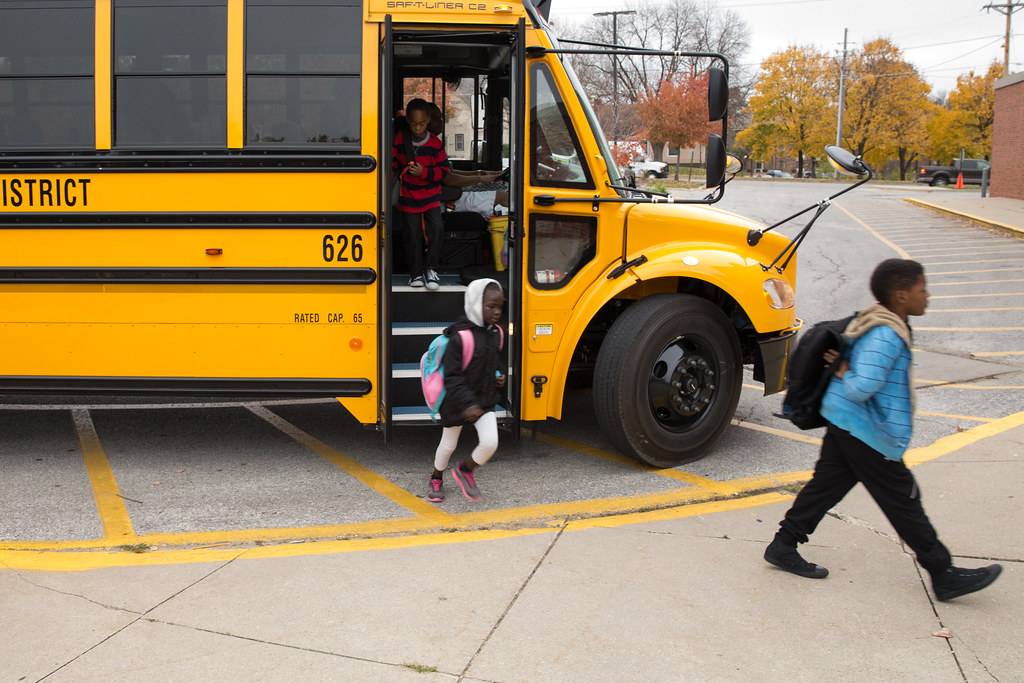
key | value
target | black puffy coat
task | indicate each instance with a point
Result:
(477, 385)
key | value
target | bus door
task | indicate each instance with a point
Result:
(474, 78)
(565, 248)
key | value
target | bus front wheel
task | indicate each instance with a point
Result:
(668, 379)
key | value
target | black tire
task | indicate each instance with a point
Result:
(633, 382)
(939, 181)
(652, 174)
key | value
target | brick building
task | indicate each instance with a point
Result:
(1008, 138)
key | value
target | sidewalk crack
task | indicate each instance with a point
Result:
(935, 611)
(864, 524)
(988, 559)
(512, 602)
(287, 646)
(69, 594)
(141, 616)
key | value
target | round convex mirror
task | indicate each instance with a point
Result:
(845, 161)
(732, 165)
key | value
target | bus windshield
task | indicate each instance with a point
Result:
(595, 125)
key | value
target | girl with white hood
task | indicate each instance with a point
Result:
(471, 393)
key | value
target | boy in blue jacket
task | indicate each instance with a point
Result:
(869, 406)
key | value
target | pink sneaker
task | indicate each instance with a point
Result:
(466, 482)
(435, 491)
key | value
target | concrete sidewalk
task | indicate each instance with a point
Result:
(1001, 213)
(670, 595)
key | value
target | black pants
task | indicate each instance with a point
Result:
(844, 461)
(415, 225)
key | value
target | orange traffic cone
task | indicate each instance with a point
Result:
(959, 181)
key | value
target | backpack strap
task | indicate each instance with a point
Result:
(501, 337)
(468, 346)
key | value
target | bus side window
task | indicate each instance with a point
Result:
(303, 73)
(46, 75)
(170, 73)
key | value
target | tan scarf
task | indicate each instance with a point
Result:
(871, 318)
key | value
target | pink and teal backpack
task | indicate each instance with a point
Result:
(432, 366)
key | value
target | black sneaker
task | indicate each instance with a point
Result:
(955, 581)
(786, 557)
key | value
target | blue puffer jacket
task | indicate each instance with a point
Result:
(873, 401)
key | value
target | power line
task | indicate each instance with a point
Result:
(949, 42)
(969, 52)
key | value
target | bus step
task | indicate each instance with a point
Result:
(424, 329)
(405, 371)
(449, 283)
(420, 415)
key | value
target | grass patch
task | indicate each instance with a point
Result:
(137, 548)
(421, 668)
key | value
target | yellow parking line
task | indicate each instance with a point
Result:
(954, 416)
(975, 282)
(961, 251)
(967, 272)
(975, 296)
(973, 387)
(620, 459)
(954, 442)
(677, 513)
(37, 560)
(993, 309)
(879, 236)
(364, 475)
(982, 260)
(117, 524)
(792, 436)
(969, 329)
(993, 354)
(962, 214)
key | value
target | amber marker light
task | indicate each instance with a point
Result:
(356, 344)
(214, 251)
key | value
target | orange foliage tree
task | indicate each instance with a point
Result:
(677, 113)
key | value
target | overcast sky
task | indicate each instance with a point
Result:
(969, 37)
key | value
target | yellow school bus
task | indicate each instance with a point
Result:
(197, 199)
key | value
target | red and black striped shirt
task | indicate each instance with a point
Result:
(420, 193)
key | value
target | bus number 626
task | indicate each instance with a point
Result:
(342, 247)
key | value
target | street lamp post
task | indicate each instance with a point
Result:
(615, 69)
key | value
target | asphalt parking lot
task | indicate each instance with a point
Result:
(143, 480)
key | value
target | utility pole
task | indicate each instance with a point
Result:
(615, 69)
(842, 94)
(1007, 9)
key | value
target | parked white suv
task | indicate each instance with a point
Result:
(650, 169)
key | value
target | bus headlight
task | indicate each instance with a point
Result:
(779, 293)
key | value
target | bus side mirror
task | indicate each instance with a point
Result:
(715, 164)
(718, 94)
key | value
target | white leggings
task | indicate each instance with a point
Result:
(486, 429)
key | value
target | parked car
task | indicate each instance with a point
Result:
(776, 173)
(650, 169)
(944, 175)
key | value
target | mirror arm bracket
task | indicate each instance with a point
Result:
(795, 243)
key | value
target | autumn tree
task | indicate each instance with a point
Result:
(887, 106)
(792, 105)
(677, 112)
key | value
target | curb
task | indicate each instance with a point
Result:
(1003, 227)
